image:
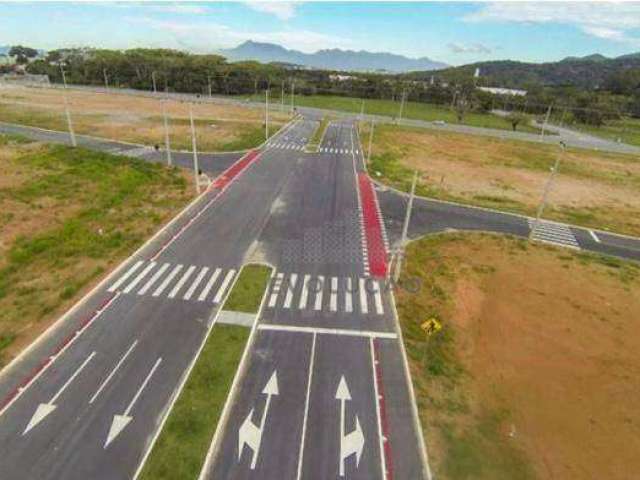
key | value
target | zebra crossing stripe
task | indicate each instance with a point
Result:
(363, 297)
(223, 287)
(209, 284)
(318, 302)
(153, 279)
(292, 284)
(333, 299)
(140, 276)
(124, 278)
(275, 290)
(305, 292)
(181, 282)
(166, 281)
(195, 283)
(348, 299)
(377, 297)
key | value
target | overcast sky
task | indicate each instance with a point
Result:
(455, 33)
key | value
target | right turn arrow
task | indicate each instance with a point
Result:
(352, 442)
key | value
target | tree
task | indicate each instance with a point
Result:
(515, 118)
(22, 54)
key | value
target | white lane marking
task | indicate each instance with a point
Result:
(140, 276)
(207, 287)
(121, 421)
(113, 372)
(594, 236)
(223, 287)
(327, 331)
(306, 406)
(333, 299)
(249, 434)
(292, 285)
(348, 299)
(363, 297)
(353, 442)
(377, 297)
(181, 282)
(318, 301)
(381, 439)
(275, 290)
(195, 283)
(305, 292)
(153, 279)
(124, 277)
(167, 280)
(44, 409)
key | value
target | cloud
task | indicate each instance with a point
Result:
(180, 8)
(282, 10)
(471, 48)
(203, 36)
(616, 21)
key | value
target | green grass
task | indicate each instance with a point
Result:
(182, 446)
(95, 209)
(248, 289)
(314, 141)
(412, 110)
(626, 129)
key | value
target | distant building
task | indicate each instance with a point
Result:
(341, 78)
(504, 91)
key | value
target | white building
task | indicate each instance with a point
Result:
(504, 91)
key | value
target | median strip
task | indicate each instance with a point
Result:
(314, 142)
(181, 447)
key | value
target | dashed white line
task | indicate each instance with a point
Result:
(113, 372)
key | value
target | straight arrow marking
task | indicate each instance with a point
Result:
(121, 421)
(249, 433)
(44, 409)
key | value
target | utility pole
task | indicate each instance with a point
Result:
(209, 84)
(195, 150)
(67, 112)
(404, 94)
(293, 92)
(546, 120)
(167, 143)
(362, 110)
(266, 114)
(547, 189)
(282, 96)
(153, 79)
(106, 80)
(370, 142)
(405, 228)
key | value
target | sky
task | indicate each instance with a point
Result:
(455, 33)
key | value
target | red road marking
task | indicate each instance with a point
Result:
(384, 421)
(376, 251)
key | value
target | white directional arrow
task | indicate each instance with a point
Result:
(352, 442)
(248, 433)
(44, 409)
(119, 422)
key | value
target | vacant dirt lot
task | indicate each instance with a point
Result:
(592, 188)
(137, 119)
(67, 217)
(536, 373)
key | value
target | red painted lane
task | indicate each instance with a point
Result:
(376, 251)
(226, 177)
(384, 421)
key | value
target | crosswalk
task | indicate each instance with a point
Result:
(286, 146)
(555, 233)
(175, 281)
(343, 151)
(294, 291)
(131, 152)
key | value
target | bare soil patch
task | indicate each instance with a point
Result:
(536, 373)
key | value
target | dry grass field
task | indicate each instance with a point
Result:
(67, 217)
(592, 188)
(536, 372)
(138, 119)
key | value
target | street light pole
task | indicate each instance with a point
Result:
(167, 143)
(404, 94)
(195, 150)
(547, 189)
(67, 112)
(362, 110)
(266, 114)
(293, 92)
(106, 81)
(209, 84)
(546, 120)
(153, 79)
(405, 228)
(370, 142)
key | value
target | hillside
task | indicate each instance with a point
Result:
(587, 72)
(332, 59)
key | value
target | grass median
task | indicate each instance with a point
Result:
(314, 141)
(182, 446)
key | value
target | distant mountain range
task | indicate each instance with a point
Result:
(588, 72)
(332, 59)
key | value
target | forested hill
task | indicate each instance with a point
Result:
(589, 72)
